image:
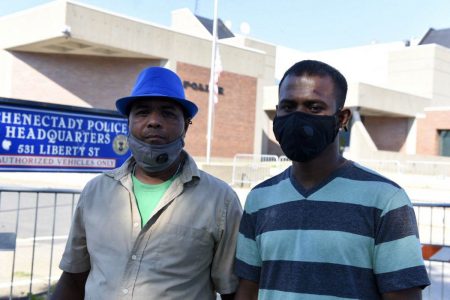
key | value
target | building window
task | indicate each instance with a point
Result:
(444, 142)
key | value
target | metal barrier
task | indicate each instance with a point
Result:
(249, 169)
(34, 224)
(434, 228)
(424, 168)
(392, 166)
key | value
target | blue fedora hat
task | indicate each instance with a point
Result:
(157, 82)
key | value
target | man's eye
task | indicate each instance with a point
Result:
(141, 112)
(315, 108)
(287, 107)
(168, 113)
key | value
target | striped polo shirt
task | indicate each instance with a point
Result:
(352, 237)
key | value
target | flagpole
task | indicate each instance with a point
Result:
(211, 86)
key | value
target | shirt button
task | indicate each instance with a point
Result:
(125, 291)
(133, 257)
(136, 224)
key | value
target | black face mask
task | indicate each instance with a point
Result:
(302, 136)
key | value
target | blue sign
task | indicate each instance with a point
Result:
(35, 139)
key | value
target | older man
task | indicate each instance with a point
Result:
(157, 227)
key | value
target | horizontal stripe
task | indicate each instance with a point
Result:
(397, 224)
(267, 196)
(317, 246)
(361, 187)
(317, 215)
(275, 295)
(403, 279)
(396, 255)
(319, 278)
(246, 271)
(362, 173)
(371, 194)
(274, 180)
(398, 200)
(247, 225)
(247, 251)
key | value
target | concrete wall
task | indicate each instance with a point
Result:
(384, 101)
(441, 77)
(183, 20)
(423, 70)
(411, 70)
(263, 125)
(33, 25)
(368, 63)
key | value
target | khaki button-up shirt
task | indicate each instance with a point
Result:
(185, 251)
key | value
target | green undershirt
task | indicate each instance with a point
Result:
(148, 196)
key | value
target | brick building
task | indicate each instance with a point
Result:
(69, 53)
(82, 56)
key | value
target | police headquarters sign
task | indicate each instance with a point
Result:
(39, 137)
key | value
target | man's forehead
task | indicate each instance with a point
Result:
(156, 102)
(314, 84)
(293, 79)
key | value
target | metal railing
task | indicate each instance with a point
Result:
(249, 169)
(34, 224)
(434, 228)
(424, 168)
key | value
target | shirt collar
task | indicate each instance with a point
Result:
(189, 173)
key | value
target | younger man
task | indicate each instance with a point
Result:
(325, 228)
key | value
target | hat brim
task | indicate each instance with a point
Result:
(123, 105)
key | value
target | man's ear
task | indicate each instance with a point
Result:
(345, 116)
(187, 122)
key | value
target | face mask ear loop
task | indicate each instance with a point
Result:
(344, 126)
(338, 125)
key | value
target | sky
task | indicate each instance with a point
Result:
(305, 25)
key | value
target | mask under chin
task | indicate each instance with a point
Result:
(155, 158)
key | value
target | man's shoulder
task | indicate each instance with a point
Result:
(362, 173)
(212, 180)
(99, 180)
(265, 192)
(274, 180)
(108, 177)
(215, 190)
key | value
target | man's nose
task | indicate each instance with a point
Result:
(154, 119)
(302, 108)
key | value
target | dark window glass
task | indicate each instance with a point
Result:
(444, 142)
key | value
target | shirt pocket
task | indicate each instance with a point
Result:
(183, 246)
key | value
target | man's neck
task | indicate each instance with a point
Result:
(161, 176)
(311, 173)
